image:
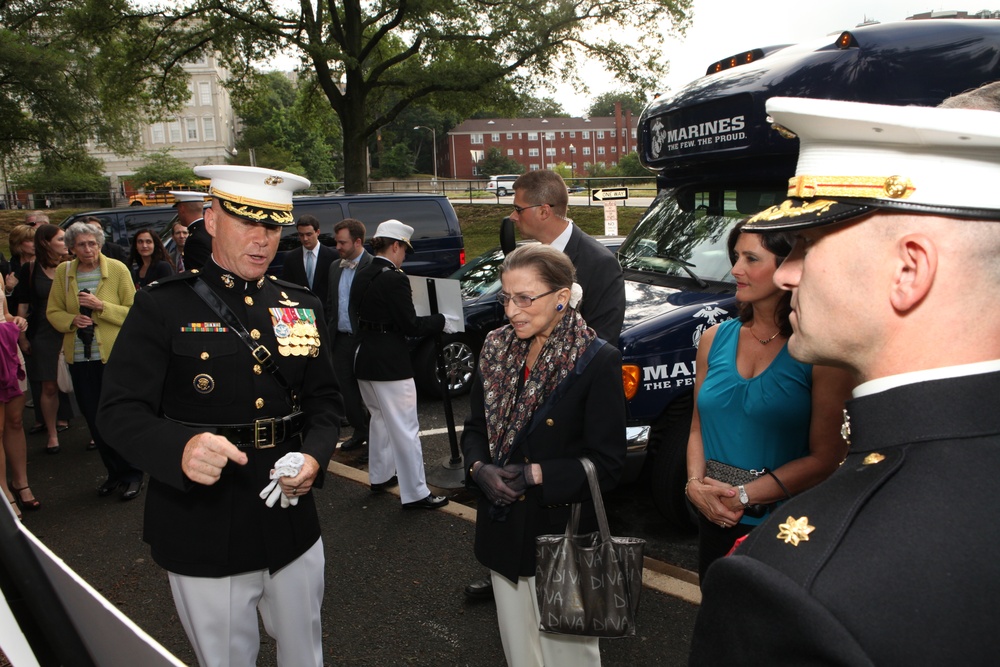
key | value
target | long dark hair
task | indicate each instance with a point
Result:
(780, 245)
(159, 252)
(44, 254)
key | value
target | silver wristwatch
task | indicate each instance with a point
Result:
(744, 498)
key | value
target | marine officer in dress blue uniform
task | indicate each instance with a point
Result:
(221, 373)
(893, 560)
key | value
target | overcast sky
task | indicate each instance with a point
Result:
(722, 28)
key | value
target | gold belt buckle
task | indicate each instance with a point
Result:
(261, 427)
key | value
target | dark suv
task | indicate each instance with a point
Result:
(439, 249)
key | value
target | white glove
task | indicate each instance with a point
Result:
(451, 324)
(288, 465)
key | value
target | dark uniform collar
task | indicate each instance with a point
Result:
(958, 407)
(218, 277)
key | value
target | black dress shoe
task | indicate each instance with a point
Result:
(431, 502)
(384, 486)
(132, 490)
(354, 443)
(480, 589)
(108, 488)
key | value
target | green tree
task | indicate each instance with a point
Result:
(371, 61)
(629, 165)
(161, 169)
(542, 107)
(496, 162)
(604, 105)
(72, 70)
(397, 162)
(76, 173)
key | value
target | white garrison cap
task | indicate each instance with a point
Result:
(254, 193)
(394, 229)
(857, 158)
(185, 196)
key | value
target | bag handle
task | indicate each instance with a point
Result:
(573, 525)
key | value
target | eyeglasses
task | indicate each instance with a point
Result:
(520, 300)
(521, 209)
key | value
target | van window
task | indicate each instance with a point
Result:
(426, 217)
(136, 220)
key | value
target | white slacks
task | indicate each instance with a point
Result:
(393, 444)
(220, 619)
(524, 644)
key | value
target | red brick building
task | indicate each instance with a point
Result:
(542, 143)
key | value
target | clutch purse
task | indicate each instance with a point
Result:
(731, 475)
(588, 584)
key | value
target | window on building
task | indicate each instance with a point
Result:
(600, 134)
(532, 152)
(175, 131)
(495, 136)
(600, 150)
(510, 135)
(532, 136)
(614, 133)
(550, 152)
(586, 135)
(205, 92)
(159, 136)
(510, 152)
(550, 136)
(520, 151)
(614, 149)
(633, 133)
(534, 167)
(477, 138)
(192, 129)
(572, 135)
(586, 150)
(208, 123)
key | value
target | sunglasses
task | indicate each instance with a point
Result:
(521, 209)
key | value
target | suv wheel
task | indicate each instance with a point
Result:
(460, 359)
(501, 192)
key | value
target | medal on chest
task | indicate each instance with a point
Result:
(296, 331)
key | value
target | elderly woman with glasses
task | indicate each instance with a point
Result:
(548, 392)
(90, 298)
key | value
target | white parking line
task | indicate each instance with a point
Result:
(439, 431)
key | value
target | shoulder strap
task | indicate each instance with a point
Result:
(260, 353)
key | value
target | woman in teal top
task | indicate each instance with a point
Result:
(757, 408)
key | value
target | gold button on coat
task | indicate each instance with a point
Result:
(549, 422)
(255, 334)
(259, 403)
(257, 370)
(204, 356)
(248, 300)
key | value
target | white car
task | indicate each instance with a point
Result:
(501, 185)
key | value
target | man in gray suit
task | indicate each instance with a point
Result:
(342, 321)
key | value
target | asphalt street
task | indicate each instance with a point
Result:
(394, 578)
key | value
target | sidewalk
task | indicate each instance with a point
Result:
(394, 578)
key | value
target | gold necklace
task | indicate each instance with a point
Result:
(763, 341)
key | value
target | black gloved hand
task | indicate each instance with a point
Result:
(518, 477)
(491, 480)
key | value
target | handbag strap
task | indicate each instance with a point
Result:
(573, 525)
(260, 353)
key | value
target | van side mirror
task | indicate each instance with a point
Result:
(507, 240)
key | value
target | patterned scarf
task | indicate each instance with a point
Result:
(501, 362)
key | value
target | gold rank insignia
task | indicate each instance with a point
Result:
(228, 281)
(296, 331)
(286, 301)
(795, 530)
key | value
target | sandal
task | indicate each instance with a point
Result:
(31, 505)
(15, 508)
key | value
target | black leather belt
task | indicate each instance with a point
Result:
(380, 327)
(261, 434)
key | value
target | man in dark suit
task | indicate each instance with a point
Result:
(386, 316)
(309, 267)
(217, 375)
(540, 206)
(190, 205)
(342, 321)
(893, 559)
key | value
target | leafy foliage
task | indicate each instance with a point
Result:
(371, 61)
(82, 173)
(604, 105)
(161, 169)
(496, 162)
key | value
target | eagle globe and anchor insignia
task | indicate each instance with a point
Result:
(203, 383)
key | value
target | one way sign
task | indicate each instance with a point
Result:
(608, 195)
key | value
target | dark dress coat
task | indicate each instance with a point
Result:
(170, 365)
(198, 247)
(333, 293)
(600, 276)
(294, 269)
(386, 316)
(158, 271)
(587, 420)
(901, 567)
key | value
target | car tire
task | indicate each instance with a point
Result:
(136, 203)
(461, 358)
(501, 192)
(669, 471)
